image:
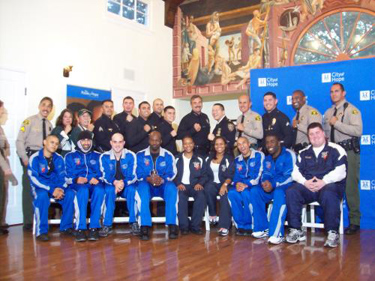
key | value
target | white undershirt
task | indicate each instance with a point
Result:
(186, 174)
(215, 170)
(317, 150)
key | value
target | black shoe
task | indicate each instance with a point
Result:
(352, 229)
(196, 231)
(28, 227)
(68, 232)
(105, 231)
(81, 236)
(173, 231)
(243, 232)
(144, 233)
(93, 235)
(184, 231)
(3, 231)
(43, 237)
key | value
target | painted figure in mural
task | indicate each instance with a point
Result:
(186, 55)
(310, 7)
(244, 71)
(238, 47)
(230, 44)
(213, 32)
(225, 70)
(192, 34)
(254, 28)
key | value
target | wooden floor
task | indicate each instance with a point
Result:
(206, 257)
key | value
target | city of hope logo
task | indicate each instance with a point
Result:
(367, 95)
(334, 77)
(367, 139)
(268, 82)
(367, 184)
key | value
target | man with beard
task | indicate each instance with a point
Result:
(84, 177)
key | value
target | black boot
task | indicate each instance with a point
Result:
(173, 231)
(144, 233)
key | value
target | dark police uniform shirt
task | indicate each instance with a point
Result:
(154, 120)
(277, 122)
(137, 137)
(103, 131)
(186, 128)
(168, 142)
(122, 123)
(226, 129)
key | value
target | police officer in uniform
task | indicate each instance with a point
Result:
(30, 140)
(343, 123)
(305, 115)
(105, 127)
(249, 123)
(275, 121)
(168, 133)
(224, 126)
(197, 125)
(124, 118)
(156, 116)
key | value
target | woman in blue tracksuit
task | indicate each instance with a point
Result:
(219, 171)
(190, 180)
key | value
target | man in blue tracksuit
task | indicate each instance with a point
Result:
(84, 177)
(156, 169)
(276, 178)
(47, 177)
(248, 170)
(319, 175)
(118, 170)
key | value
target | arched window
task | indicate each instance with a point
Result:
(340, 35)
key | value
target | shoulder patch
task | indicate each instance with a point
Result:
(355, 111)
(257, 118)
(26, 122)
(314, 112)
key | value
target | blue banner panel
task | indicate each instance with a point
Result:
(357, 76)
(87, 93)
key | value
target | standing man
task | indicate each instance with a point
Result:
(33, 132)
(275, 121)
(138, 130)
(84, 176)
(46, 171)
(343, 125)
(105, 127)
(156, 169)
(84, 124)
(168, 133)
(276, 178)
(224, 126)
(197, 125)
(249, 123)
(124, 118)
(248, 170)
(118, 169)
(156, 116)
(319, 175)
(305, 115)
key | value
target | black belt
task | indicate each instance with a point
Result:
(30, 152)
(351, 144)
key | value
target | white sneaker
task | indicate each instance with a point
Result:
(333, 239)
(275, 240)
(260, 234)
(295, 235)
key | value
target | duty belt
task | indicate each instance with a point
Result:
(351, 144)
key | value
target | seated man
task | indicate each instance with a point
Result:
(156, 170)
(320, 174)
(276, 178)
(190, 180)
(118, 170)
(248, 169)
(83, 176)
(47, 177)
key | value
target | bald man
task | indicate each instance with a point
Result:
(156, 116)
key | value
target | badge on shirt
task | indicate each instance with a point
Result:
(355, 111)
(26, 122)
(42, 168)
(257, 118)
(239, 167)
(162, 164)
(273, 121)
(77, 161)
(314, 112)
(147, 162)
(110, 129)
(197, 165)
(100, 129)
(325, 155)
(231, 127)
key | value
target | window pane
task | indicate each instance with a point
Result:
(141, 18)
(128, 13)
(366, 52)
(348, 20)
(129, 3)
(302, 57)
(113, 7)
(141, 7)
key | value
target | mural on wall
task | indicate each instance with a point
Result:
(218, 42)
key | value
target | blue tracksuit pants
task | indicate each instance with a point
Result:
(240, 206)
(198, 208)
(258, 199)
(41, 204)
(144, 194)
(329, 197)
(83, 193)
(110, 203)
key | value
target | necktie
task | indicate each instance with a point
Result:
(295, 130)
(44, 129)
(333, 128)
(242, 119)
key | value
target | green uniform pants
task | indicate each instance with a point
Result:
(352, 189)
(27, 203)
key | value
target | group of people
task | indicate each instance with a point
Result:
(248, 164)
